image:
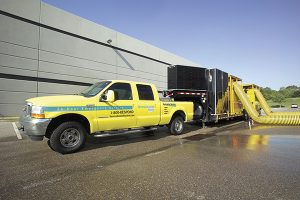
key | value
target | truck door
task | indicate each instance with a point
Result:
(148, 106)
(119, 114)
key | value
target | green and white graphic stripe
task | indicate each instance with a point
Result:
(84, 108)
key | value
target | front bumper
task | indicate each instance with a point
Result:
(34, 128)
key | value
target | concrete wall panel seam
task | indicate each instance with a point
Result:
(18, 56)
(91, 61)
(17, 68)
(18, 45)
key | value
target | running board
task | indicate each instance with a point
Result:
(115, 133)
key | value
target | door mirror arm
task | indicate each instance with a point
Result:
(109, 96)
(103, 97)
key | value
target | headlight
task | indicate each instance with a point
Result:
(37, 112)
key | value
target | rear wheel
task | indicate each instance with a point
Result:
(176, 126)
(68, 137)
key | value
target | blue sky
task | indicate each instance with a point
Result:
(256, 40)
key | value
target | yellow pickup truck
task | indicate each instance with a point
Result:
(100, 110)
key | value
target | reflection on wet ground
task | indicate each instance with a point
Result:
(259, 138)
(268, 130)
(250, 142)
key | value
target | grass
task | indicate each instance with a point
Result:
(288, 102)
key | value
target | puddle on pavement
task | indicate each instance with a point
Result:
(253, 142)
(250, 142)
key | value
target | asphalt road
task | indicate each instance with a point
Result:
(213, 163)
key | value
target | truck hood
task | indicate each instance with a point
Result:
(62, 100)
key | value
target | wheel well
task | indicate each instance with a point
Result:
(179, 113)
(64, 118)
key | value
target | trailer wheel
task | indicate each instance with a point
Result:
(198, 111)
(176, 126)
(68, 137)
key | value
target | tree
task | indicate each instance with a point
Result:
(278, 98)
(288, 91)
(268, 93)
(296, 93)
(293, 87)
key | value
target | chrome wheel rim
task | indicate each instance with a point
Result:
(70, 137)
(178, 126)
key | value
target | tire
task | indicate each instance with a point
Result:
(176, 126)
(68, 137)
(48, 142)
(198, 111)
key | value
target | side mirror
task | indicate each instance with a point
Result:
(109, 96)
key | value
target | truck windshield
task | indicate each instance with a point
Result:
(94, 89)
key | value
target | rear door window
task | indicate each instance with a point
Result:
(145, 92)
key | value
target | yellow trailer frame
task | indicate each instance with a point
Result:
(235, 105)
(250, 91)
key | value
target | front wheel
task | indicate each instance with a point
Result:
(68, 137)
(176, 126)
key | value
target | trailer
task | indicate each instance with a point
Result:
(211, 91)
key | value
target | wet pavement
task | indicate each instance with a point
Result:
(213, 163)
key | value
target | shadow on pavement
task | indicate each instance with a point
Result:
(95, 143)
(162, 132)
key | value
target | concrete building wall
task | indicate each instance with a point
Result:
(47, 51)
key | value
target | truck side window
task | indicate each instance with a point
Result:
(122, 91)
(145, 92)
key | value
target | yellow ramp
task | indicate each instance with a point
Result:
(266, 107)
(272, 119)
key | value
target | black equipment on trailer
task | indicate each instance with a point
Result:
(205, 87)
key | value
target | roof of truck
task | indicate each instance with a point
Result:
(126, 81)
